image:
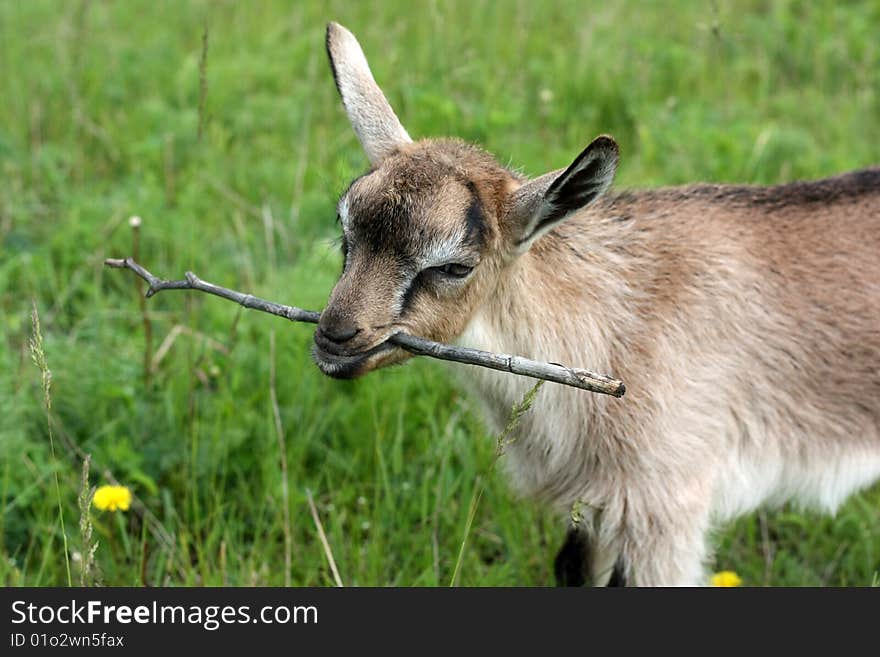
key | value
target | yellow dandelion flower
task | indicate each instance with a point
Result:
(112, 498)
(726, 578)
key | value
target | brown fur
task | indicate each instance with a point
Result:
(745, 322)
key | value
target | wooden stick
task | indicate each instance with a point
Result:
(570, 376)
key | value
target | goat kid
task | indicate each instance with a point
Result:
(744, 320)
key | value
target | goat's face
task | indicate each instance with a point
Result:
(428, 232)
(422, 248)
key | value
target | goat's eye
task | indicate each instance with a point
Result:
(454, 270)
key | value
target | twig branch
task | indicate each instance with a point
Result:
(570, 376)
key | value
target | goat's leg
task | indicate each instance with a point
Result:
(664, 548)
(582, 560)
(572, 561)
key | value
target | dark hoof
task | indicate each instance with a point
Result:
(617, 577)
(570, 565)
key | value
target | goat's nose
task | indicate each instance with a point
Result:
(340, 331)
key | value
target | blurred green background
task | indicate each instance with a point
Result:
(100, 120)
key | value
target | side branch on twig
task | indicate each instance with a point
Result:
(570, 376)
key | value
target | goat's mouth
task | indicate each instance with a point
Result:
(349, 366)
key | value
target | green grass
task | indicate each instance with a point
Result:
(100, 121)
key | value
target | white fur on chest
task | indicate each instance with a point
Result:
(541, 456)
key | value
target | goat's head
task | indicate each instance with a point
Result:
(430, 229)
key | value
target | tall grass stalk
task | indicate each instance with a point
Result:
(88, 548)
(38, 355)
(501, 443)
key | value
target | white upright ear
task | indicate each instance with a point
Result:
(372, 118)
(542, 203)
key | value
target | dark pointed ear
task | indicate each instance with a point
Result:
(542, 203)
(369, 112)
